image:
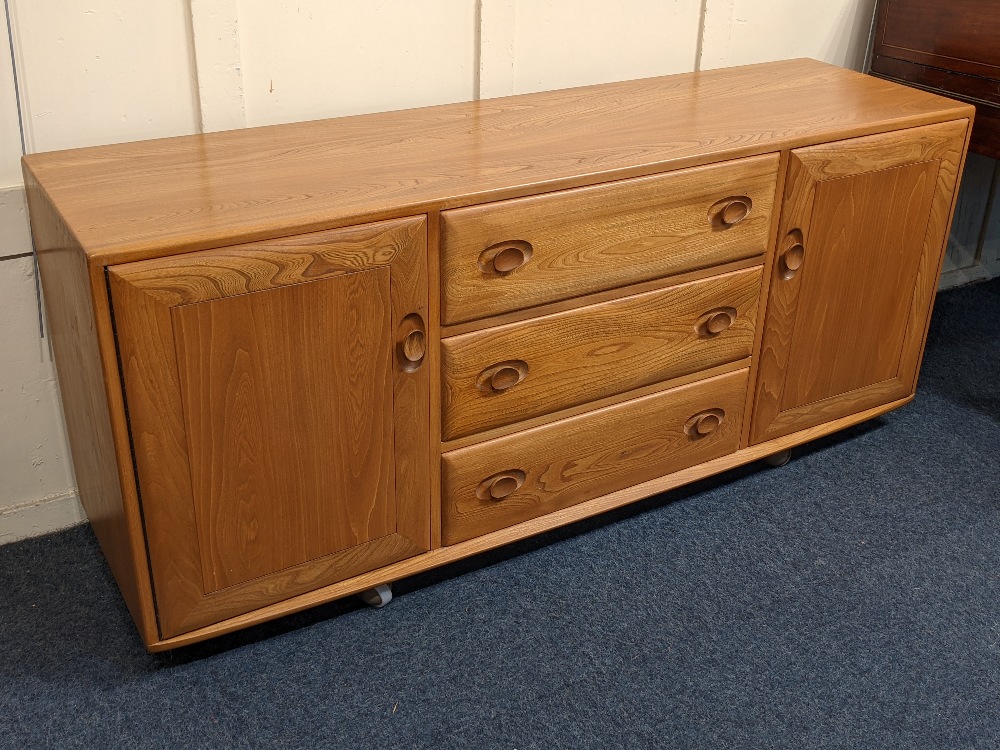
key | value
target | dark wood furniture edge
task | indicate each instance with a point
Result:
(960, 65)
(984, 139)
(977, 84)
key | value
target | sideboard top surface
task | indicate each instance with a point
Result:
(153, 198)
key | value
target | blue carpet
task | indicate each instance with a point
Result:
(848, 600)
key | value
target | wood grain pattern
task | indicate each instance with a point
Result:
(864, 238)
(204, 191)
(247, 320)
(225, 272)
(433, 365)
(581, 355)
(929, 274)
(75, 296)
(599, 237)
(577, 459)
(438, 557)
(872, 214)
(408, 292)
(288, 410)
(600, 403)
(598, 297)
(267, 411)
(765, 288)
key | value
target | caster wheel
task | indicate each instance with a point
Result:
(779, 459)
(377, 597)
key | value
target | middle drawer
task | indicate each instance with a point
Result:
(509, 373)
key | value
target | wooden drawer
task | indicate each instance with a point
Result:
(519, 253)
(492, 485)
(508, 373)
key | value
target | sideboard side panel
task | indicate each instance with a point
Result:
(84, 383)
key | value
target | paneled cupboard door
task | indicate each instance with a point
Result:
(860, 242)
(278, 407)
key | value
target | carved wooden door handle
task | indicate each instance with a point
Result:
(704, 423)
(505, 257)
(502, 376)
(793, 256)
(411, 342)
(501, 485)
(716, 321)
(791, 260)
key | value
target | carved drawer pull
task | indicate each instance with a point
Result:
(502, 376)
(411, 342)
(704, 423)
(730, 211)
(501, 485)
(505, 257)
(716, 321)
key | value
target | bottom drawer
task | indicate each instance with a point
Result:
(492, 485)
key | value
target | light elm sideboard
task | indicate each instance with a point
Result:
(301, 361)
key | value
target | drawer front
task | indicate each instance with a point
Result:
(505, 374)
(515, 254)
(492, 485)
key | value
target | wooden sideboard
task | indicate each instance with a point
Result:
(299, 361)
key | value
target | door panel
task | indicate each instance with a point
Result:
(262, 429)
(848, 329)
(860, 243)
(280, 426)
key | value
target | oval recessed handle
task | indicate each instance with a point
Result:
(704, 423)
(502, 376)
(791, 260)
(414, 346)
(716, 321)
(794, 254)
(505, 257)
(411, 342)
(501, 485)
(730, 211)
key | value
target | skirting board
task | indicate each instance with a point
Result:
(38, 517)
(15, 236)
(971, 275)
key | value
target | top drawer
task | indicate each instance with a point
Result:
(514, 254)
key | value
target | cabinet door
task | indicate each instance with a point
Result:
(859, 251)
(278, 409)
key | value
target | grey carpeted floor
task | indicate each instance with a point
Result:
(848, 600)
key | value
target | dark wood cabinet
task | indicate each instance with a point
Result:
(949, 48)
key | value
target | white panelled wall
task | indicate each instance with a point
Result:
(103, 71)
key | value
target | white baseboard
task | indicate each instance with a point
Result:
(39, 517)
(15, 235)
(962, 276)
